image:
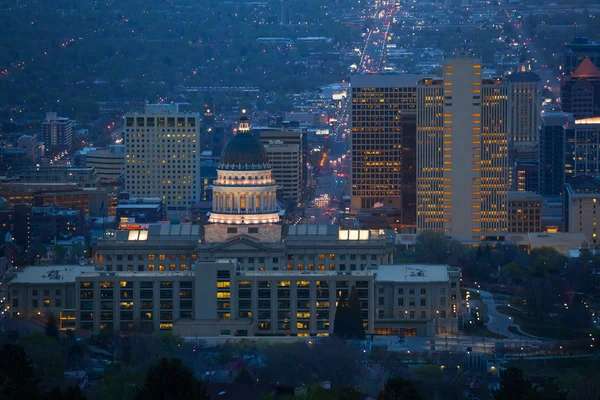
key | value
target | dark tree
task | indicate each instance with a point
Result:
(16, 374)
(577, 315)
(51, 328)
(340, 321)
(170, 379)
(355, 320)
(400, 389)
(70, 393)
(244, 378)
(348, 322)
(513, 386)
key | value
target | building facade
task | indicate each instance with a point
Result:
(109, 164)
(161, 248)
(578, 50)
(218, 299)
(287, 159)
(580, 91)
(582, 149)
(383, 143)
(162, 156)
(462, 179)
(555, 127)
(57, 132)
(524, 212)
(581, 203)
(524, 109)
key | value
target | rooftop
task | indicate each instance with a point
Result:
(58, 274)
(159, 232)
(412, 273)
(520, 196)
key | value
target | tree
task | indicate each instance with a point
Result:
(244, 378)
(71, 393)
(513, 385)
(47, 358)
(340, 321)
(400, 389)
(51, 328)
(577, 315)
(170, 379)
(60, 252)
(16, 374)
(431, 247)
(348, 322)
(357, 329)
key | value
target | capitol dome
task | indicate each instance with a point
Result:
(244, 191)
(244, 151)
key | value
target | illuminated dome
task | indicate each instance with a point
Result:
(244, 192)
(244, 151)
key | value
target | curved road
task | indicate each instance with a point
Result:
(497, 323)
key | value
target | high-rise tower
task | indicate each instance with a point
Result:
(462, 153)
(162, 149)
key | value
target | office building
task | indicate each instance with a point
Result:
(580, 91)
(524, 99)
(57, 132)
(524, 212)
(555, 127)
(39, 291)
(525, 177)
(216, 299)
(109, 164)
(140, 210)
(383, 143)
(162, 156)
(92, 202)
(286, 158)
(577, 51)
(582, 201)
(50, 223)
(462, 179)
(16, 221)
(582, 149)
(84, 177)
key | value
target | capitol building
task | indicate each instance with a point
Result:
(244, 273)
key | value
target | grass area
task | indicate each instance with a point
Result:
(550, 328)
(514, 331)
(482, 331)
(555, 367)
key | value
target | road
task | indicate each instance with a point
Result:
(497, 323)
(333, 180)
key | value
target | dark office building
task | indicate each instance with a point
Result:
(578, 50)
(551, 157)
(580, 91)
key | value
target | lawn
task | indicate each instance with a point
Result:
(482, 331)
(550, 328)
(555, 367)
(514, 331)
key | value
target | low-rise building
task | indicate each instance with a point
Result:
(582, 202)
(217, 298)
(43, 290)
(524, 212)
(156, 247)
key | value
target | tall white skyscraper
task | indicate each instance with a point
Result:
(462, 154)
(162, 153)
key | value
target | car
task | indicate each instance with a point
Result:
(469, 349)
